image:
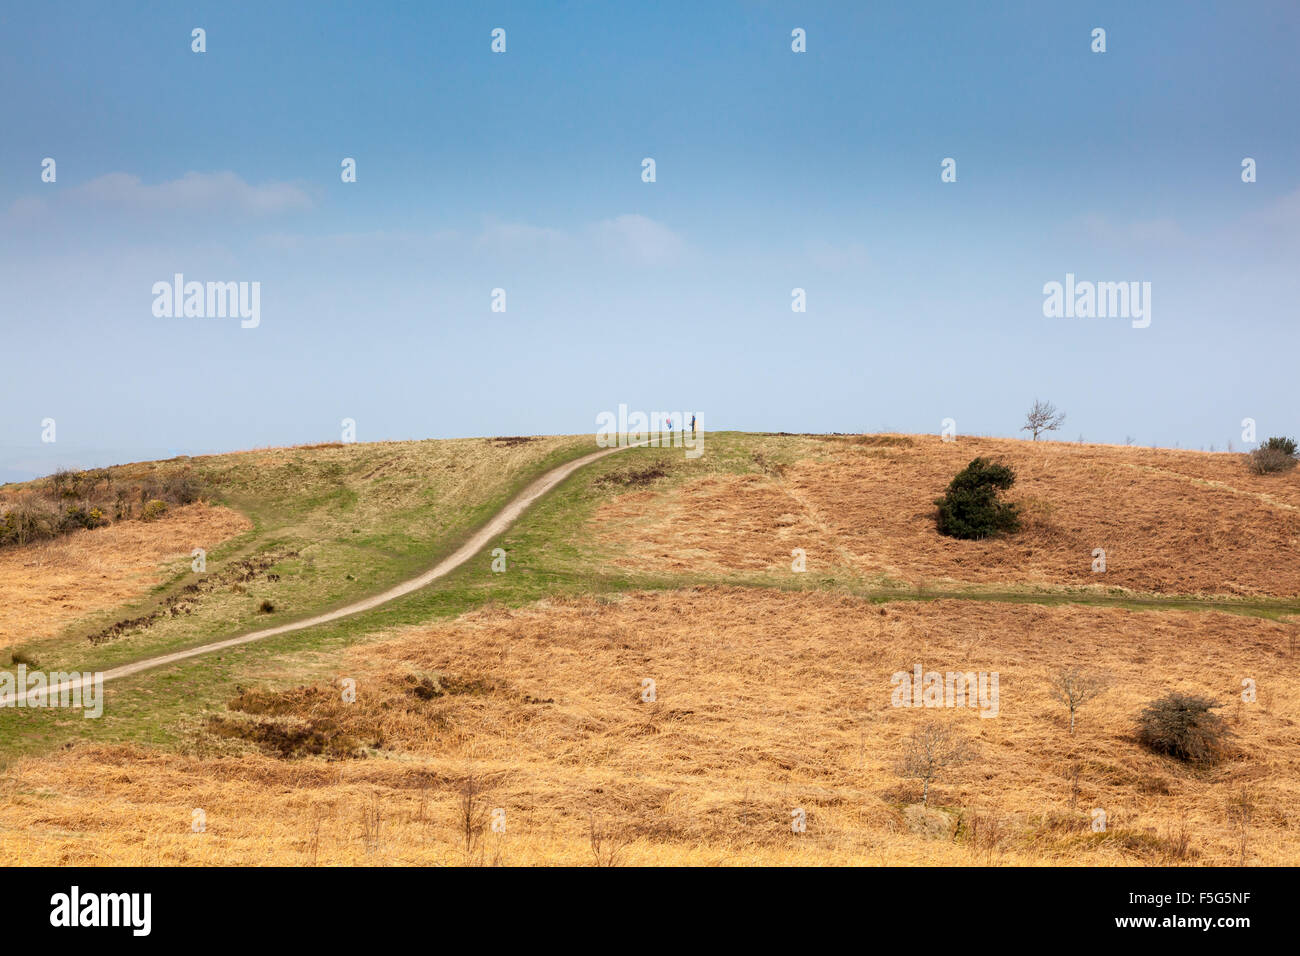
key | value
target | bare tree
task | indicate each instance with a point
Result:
(1043, 417)
(471, 814)
(1074, 687)
(607, 844)
(1240, 809)
(370, 824)
(933, 748)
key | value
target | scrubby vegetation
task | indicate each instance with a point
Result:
(633, 476)
(970, 509)
(542, 706)
(1182, 726)
(533, 702)
(69, 500)
(1276, 454)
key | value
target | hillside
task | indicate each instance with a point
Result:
(524, 690)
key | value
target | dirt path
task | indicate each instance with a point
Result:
(499, 523)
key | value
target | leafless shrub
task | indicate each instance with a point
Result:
(1075, 686)
(607, 845)
(984, 831)
(313, 845)
(1076, 772)
(180, 489)
(424, 800)
(28, 520)
(471, 815)
(933, 748)
(370, 824)
(1241, 808)
(1178, 842)
(1268, 460)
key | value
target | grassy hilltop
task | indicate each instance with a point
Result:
(523, 691)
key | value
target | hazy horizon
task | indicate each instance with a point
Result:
(775, 170)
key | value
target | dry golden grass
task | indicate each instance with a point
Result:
(767, 701)
(1170, 521)
(333, 523)
(48, 584)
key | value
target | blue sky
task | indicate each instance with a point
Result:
(522, 171)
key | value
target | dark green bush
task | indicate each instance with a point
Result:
(81, 516)
(1182, 726)
(1285, 445)
(970, 508)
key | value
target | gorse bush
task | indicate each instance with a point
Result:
(1276, 454)
(81, 516)
(69, 500)
(29, 519)
(971, 509)
(1182, 726)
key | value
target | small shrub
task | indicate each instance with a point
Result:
(180, 489)
(1276, 454)
(970, 509)
(634, 476)
(1181, 726)
(70, 500)
(769, 467)
(79, 516)
(150, 489)
(63, 481)
(28, 520)
(266, 607)
(17, 657)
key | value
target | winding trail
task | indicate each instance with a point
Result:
(502, 520)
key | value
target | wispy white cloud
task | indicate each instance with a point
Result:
(1267, 229)
(380, 239)
(629, 239)
(222, 194)
(638, 239)
(520, 237)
